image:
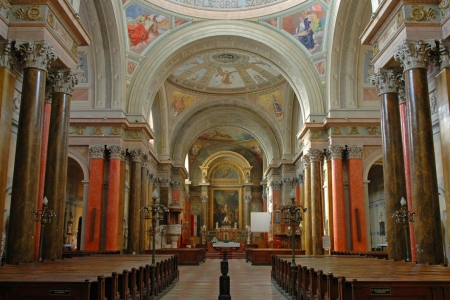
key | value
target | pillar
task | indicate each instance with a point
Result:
(424, 192)
(329, 197)
(300, 201)
(143, 202)
(85, 213)
(356, 199)
(315, 156)
(388, 84)
(337, 179)
(134, 206)
(7, 86)
(204, 198)
(63, 82)
(247, 200)
(95, 197)
(36, 56)
(287, 186)
(112, 233)
(120, 241)
(307, 204)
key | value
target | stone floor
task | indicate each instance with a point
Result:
(247, 282)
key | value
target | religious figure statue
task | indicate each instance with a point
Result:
(217, 225)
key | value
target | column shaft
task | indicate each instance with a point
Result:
(7, 84)
(25, 189)
(113, 205)
(144, 195)
(427, 226)
(95, 198)
(357, 207)
(120, 241)
(316, 203)
(134, 217)
(307, 216)
(339, 219)
(56, 173)
(394, 175)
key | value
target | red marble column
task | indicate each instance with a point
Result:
(134, 206)
(339, 218)
(95, 197)
(63, 82)
(113, 220)
(307, 230)
(20, 243)
(315, 156)
(406, 159)
(7, 87)
(120, 241)
(356, 199)
(424, 192)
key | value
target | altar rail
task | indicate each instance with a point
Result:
(90, 278)
(377, 254)
(263, 256)
(359, 278)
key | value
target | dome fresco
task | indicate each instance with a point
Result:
(226, 72)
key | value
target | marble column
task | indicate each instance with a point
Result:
(406, 160)
(443, 98)
(356, 199)
(143, 201)
(36, 57)
(247, 200)
(95, 197)
(7, 86)
(339, 218)
(204, 198)
(287, 186)
(329, 196)
(307, 204)
(63, 82)
(85, 213)
(112, 233)
(315, 156)
(44, 150)
(275, 189)
(134, 206)
(120, 239)
(424, 192)
(388, 83)
(301, 201)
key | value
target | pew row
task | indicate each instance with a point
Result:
(91, 277)
(186, 256)
(263, 256)
(377, 254)
(358, 278)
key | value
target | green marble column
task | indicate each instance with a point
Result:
(134, 206)
(316, 210)
(427, 225)
(36, 56)
(307, 204)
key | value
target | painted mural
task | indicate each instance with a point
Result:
(226, 78)
(143, 27)
(226, 206)
(273, 102)
(307, 27)
(226, 172)
(179, 102)
(226, 134)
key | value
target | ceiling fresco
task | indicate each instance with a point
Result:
(226, 72)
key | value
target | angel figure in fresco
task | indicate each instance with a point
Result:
(276, 107)
(226, 75)
(144, 28)
(307, 27)
(178, 106)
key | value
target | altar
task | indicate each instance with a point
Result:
(226, 233)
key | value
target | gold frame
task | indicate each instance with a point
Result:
(211, 205)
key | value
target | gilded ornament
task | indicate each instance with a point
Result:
(133, 134)
(373, 130)
(6, 5)
(32, 14)
(98, 131)
(78, 130)
(74, 49)
(400, 18)
(444, 4)
(354, 131)
(337, 131)
(375, 48)
(50, 20)
(316, 134)
(115, 130)
(419, 14)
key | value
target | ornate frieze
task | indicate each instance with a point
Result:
(33, 13)
(420, 14)
(336, 151)
(136, 155)
(443, 6)
(176, 184)
(35, 54)
(164, 182)
(96, 151)
(354, 151)
(116, 152)
(386, 81)
(275, 185)
(413, 55)
(63, 81)
(315, 154)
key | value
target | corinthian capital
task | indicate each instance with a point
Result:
(354, 151)
(413, 55)
(36, 54)
(276, 185)
(63, 81)
(386, 81)
(116, 152)
(136, 155)
(444, 54)
(97, 151)
(288, 182)
(176, 184)
(336, 151)
(6, 58)
(315, 154)
(306, 161)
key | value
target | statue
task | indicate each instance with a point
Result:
(235, 225)
(203, 232)
(217, 225)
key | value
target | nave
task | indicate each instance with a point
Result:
(247, 282)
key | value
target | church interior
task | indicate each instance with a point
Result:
(130, 125)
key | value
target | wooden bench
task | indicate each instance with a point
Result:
(123, 277)
(357, 277)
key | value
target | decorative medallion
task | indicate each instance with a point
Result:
(115, 131)
(50, 20)
(337, 131)
(78, 130)
(354, 131)
(133, 134)
(419, 14)
(98, 131)
(32, 14)
(373, 130)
